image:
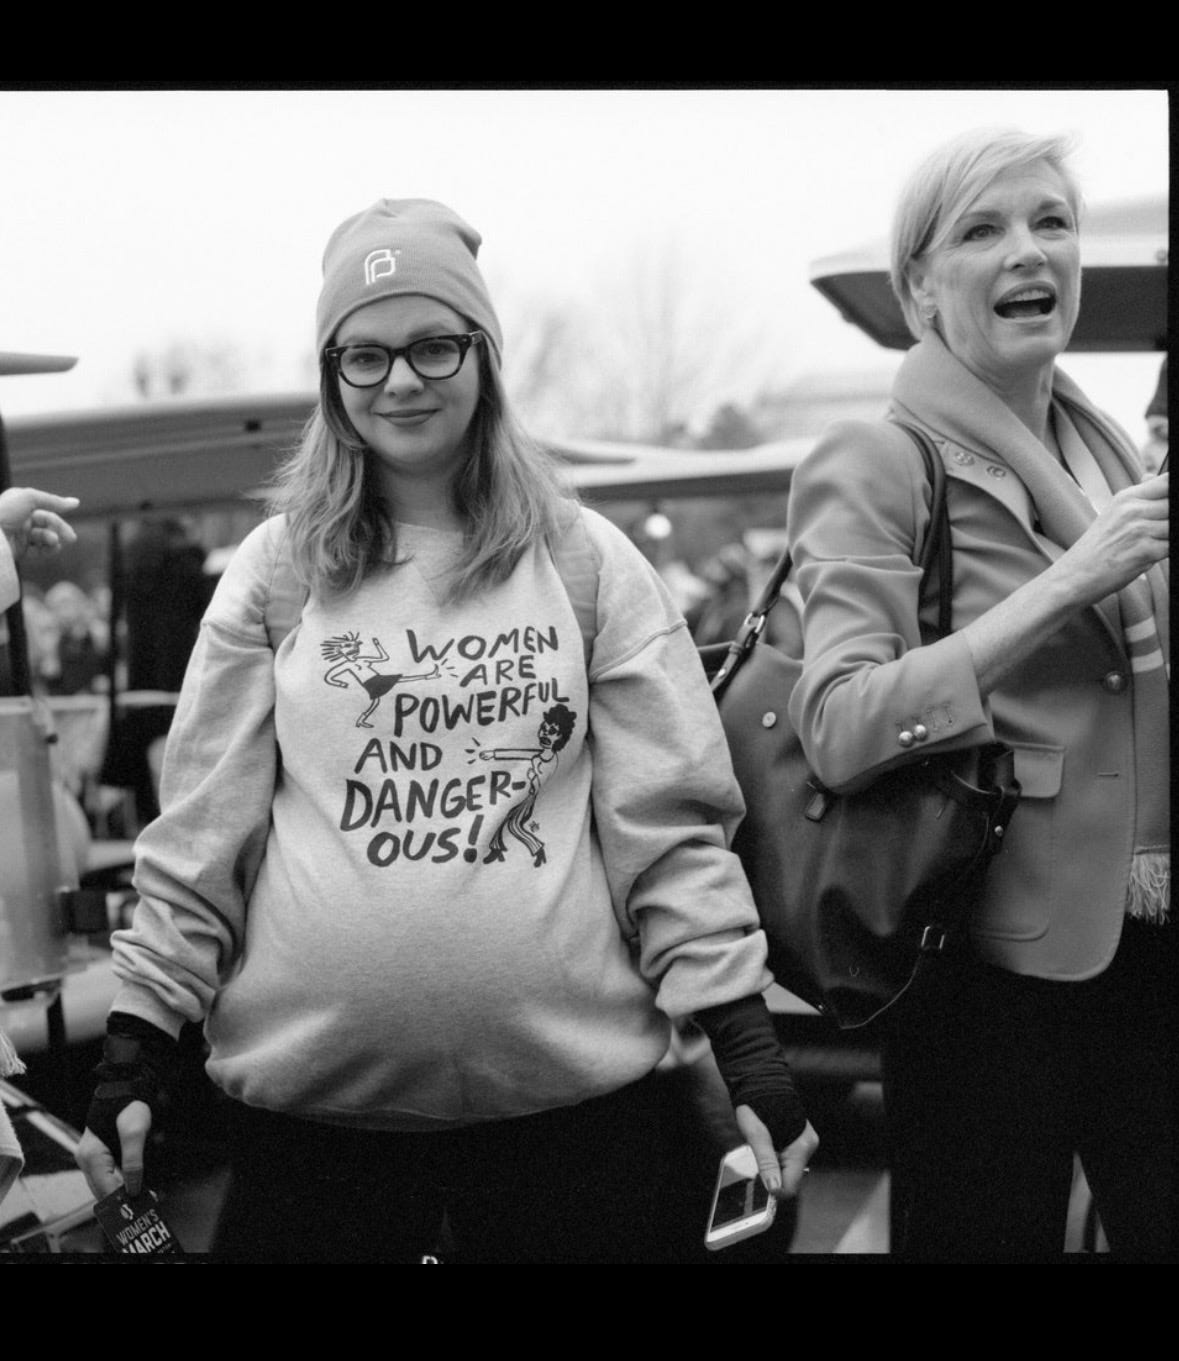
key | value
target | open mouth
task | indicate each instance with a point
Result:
(1027, 302)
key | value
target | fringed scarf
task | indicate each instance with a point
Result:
(937, 389)
(11, 1158)
(10, 1064)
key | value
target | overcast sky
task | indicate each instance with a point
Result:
(131, 220)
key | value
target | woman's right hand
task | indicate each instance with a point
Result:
(98, 1162)
(1129, 535)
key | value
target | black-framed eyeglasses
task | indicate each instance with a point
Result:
(366, 365)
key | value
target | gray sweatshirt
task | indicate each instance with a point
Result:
(415, 868)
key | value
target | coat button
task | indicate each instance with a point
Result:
(769, 719)
(920, 731)
(905, 738)
(1114, 682)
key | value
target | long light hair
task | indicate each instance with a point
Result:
(509, 496)
(945, 184)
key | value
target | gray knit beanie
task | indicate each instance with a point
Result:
(401, 246)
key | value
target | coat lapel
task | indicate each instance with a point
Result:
(989, 475)
(979, 438)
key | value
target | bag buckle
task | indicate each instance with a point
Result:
(933, 939)
(740, 648)
(819, 802)
(997, 772)
(753, 626)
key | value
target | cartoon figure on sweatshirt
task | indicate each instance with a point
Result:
(556, 728)
(353, 664)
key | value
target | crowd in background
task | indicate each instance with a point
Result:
(168, 579)
(79, 643)
(68, 632)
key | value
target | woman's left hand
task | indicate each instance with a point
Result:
(781, 1172)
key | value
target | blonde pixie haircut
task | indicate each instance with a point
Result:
(945, 184)
(508, 495)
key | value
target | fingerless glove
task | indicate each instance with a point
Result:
(753, 1065)
(137, 1058)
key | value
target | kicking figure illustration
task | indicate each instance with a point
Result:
(556, 728)
(360, 667)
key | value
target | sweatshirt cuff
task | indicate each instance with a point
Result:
(143, 1004)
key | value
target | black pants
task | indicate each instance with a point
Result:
(592, 1183)
(993, 1082)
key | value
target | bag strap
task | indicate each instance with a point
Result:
(577, 565)
(936, 553)
(937, 550)
(572, 552)
(286, 598)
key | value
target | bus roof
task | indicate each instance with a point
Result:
(190, 453)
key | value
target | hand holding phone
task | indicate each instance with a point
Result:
(741, 1205)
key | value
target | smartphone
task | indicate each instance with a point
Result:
(741, 1205)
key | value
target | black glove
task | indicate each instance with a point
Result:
(753, 1065)
(137, 1059)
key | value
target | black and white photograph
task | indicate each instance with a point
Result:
(585, 676)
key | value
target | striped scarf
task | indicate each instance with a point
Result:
(940, 391)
